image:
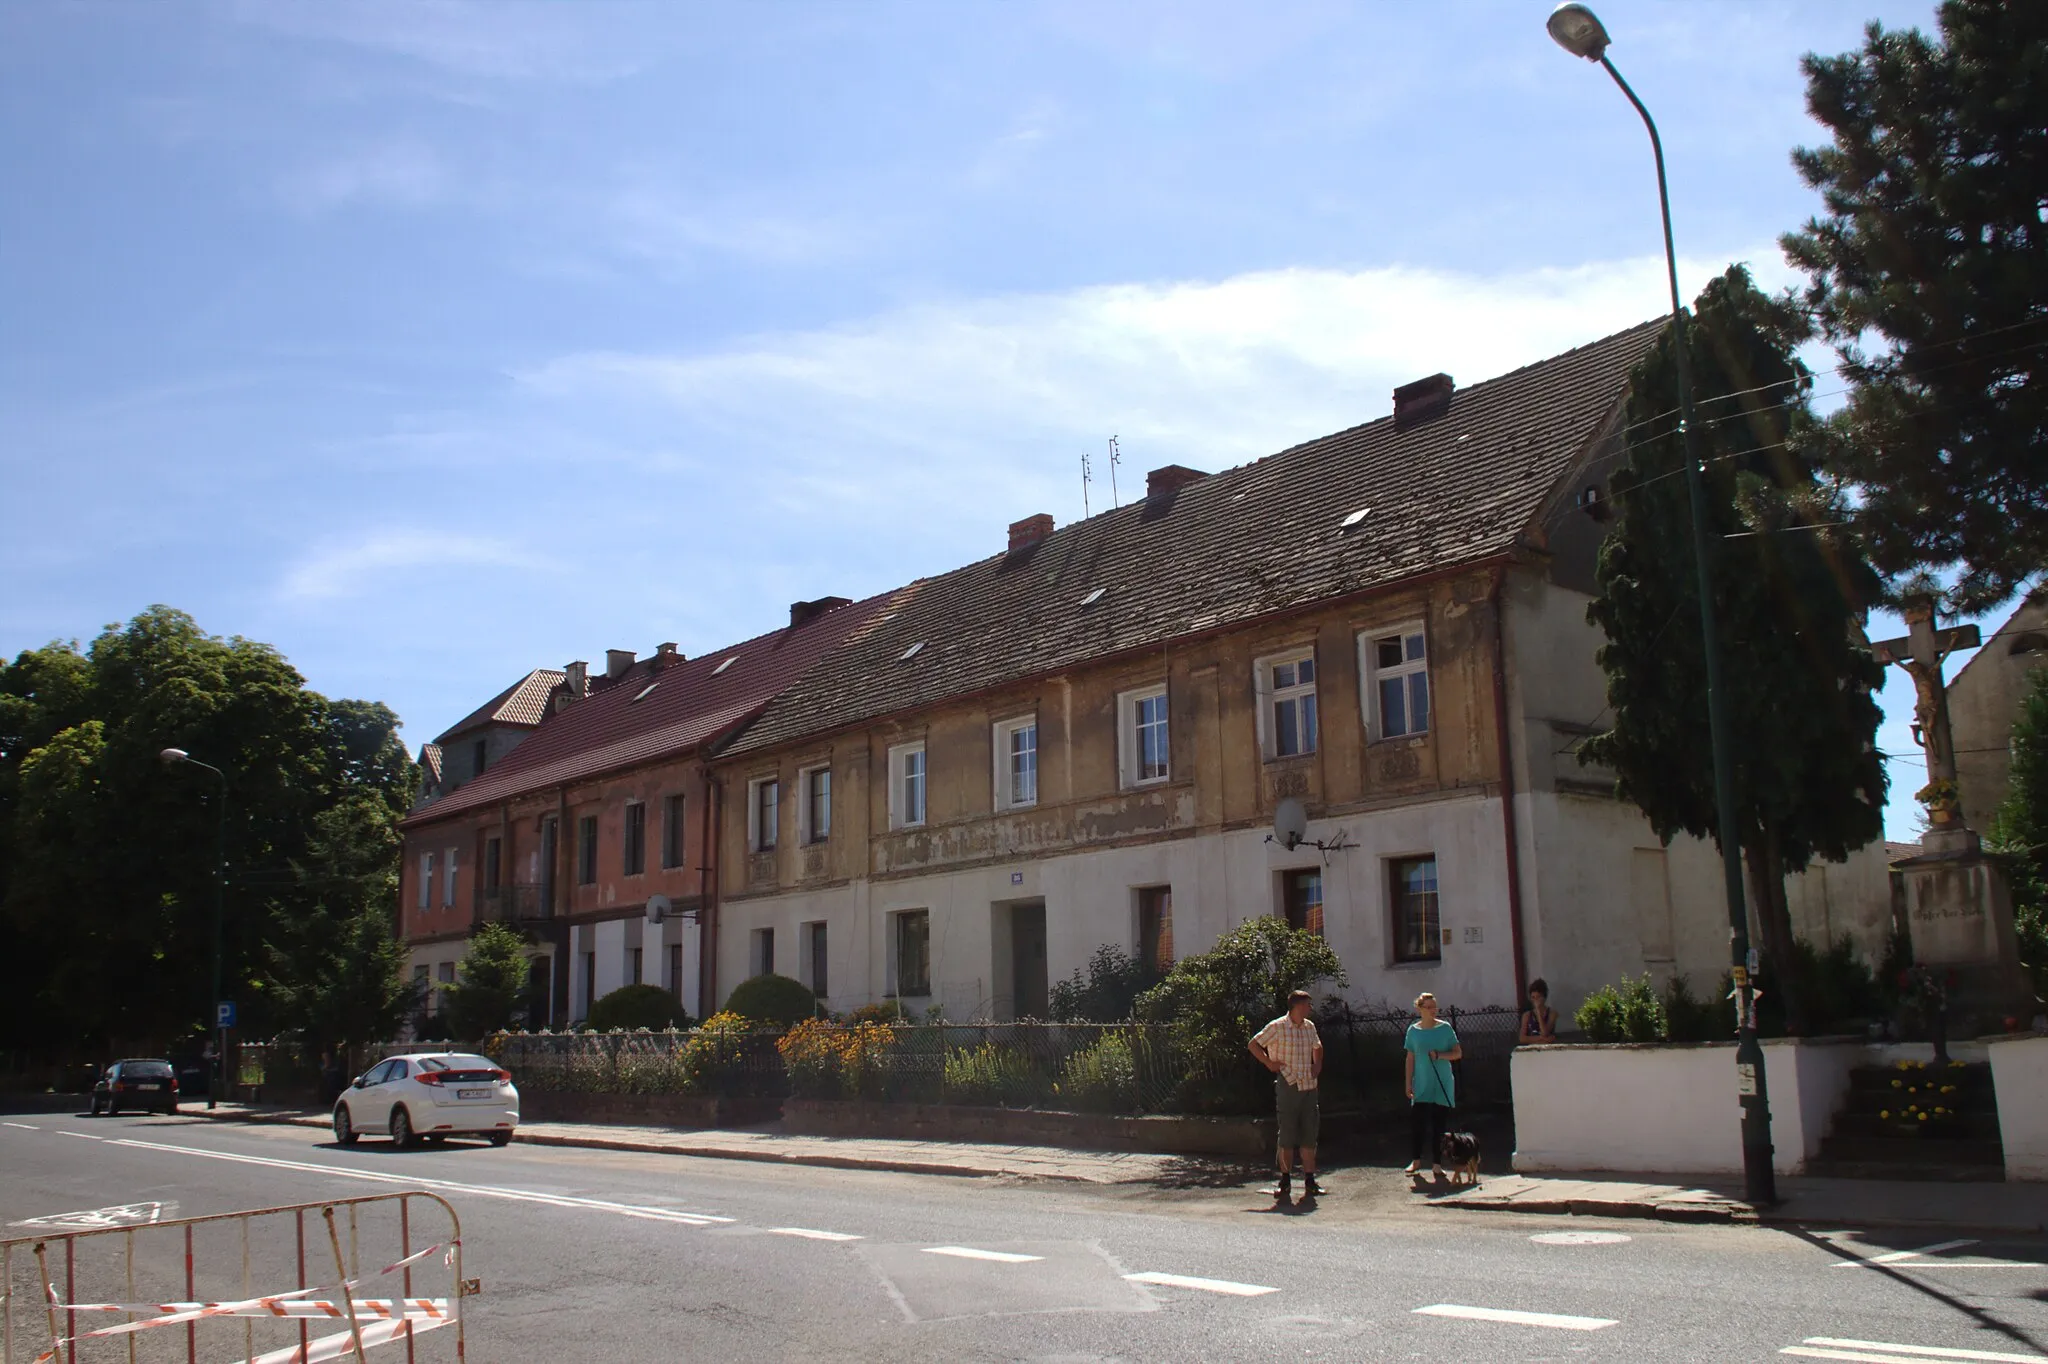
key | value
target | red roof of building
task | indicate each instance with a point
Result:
(525, 703)
(657, 709)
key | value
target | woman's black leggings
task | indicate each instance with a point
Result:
(1426, 1121)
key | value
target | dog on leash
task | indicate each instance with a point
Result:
(1459, 1154)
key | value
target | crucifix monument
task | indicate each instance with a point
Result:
(1958, 908)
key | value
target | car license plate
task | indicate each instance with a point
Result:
(149, 1086)
(472, 1094)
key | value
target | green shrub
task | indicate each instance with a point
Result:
(883, 1011)
(1626, 1012)
(1841, 992)
(638, 1006)
(715, 1052)
(989, 1074)
(1688, 1018)
(1114, 981)
(772, 999)
(1101, 1079)
(814, 1057)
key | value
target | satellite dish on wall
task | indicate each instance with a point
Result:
(659, 907)
(1290, 823)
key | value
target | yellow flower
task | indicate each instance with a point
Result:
(1897, 1083)
(1884, 1112)
(1923, 1117)
(1941, 1110)
(1955, 1065)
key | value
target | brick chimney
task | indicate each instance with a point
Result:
(1169, 479)
(1422, 401)
(577, 679)
(804, 612)
(665, 655)
(616, 661)
(1028, 532)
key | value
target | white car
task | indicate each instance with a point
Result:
(430, 1095)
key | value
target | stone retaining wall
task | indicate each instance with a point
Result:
(1231, 1138)
(651, 1110)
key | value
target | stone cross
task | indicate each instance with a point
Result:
(1921, 653)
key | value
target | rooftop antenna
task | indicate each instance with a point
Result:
(1115, 458)
(1085, 476)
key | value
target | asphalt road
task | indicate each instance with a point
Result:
(602, 1256)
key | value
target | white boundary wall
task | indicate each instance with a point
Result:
(1671, 1108)
(2019, 1072)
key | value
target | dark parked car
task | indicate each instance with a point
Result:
(145, 1084)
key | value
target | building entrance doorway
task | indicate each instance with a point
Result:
(1029, 988)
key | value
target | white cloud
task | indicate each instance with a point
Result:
(353, 569)
(401, 173)
(1004, 393)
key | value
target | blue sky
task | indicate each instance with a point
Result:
(434, 341)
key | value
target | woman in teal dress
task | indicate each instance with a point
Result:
(1431, 1046)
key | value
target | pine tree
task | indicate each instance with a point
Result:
(489, 991)
(1788, 592)
(1935, 241)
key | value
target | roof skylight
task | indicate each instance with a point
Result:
(1093, 597)
(646, 691)
(1355, 518)
(723, 666)
(911, 652)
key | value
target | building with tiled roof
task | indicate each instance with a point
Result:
(487, 735)
(1087, 737)
(599, 810)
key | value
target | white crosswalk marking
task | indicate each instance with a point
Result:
(1888, 1352)
(1555, 1320)
(970, 1253)
(1225, 1286)
(811, 1235)
(1893, 1257)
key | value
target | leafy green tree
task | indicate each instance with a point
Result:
(1789, 593)
(338, 971)
(488, 993)
(1932, 246)
(107, 856)
(2020, 829)
(1212, 1003)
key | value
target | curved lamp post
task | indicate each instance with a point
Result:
(172, 757)
(1579, 31)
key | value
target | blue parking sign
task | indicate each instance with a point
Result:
(224, 1014)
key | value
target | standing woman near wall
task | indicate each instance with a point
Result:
(1431, 1045)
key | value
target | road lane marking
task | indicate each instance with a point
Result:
(22, 1125)
(1554, 1320)
(1235, 1290)
(1007, 1257)
(1893, 1257)
(1579, 1238)
(811, 1234)
(82, 1136)
(693, 1219)
(1887, 1352)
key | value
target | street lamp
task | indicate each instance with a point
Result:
(1579, 31)
(172, 757)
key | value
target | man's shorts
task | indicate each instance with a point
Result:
(1300, 1112)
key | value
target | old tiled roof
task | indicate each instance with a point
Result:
(1236, 545)
(525, 703)
(430, 763)
(655, 710)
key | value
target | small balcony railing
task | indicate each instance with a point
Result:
(514, 903)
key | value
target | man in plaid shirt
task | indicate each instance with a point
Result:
(1291, 1049)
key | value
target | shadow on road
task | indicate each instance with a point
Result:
(1982, 1317)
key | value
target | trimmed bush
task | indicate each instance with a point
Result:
(772, 999)
(638, 1006)
(1626, 1012)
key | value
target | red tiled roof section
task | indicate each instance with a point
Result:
(655, 711)
(525, 702)
(1231, 547)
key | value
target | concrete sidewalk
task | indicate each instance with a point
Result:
(1810, 1201)
(847, 1153)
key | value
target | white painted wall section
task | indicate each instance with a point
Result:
(2019, 1072)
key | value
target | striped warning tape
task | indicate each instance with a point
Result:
(270, 1305)
(339, 1345)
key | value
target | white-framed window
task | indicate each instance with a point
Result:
(448, 880)
(764, 806)
(1395, 664)
(1142, 740)
(906, 786)
(1016, 762)
(815, 814)
(426, 880)
(1286, 684)
(910, 952)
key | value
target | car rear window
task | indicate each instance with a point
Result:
(146, 1070)
(460, 1068)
